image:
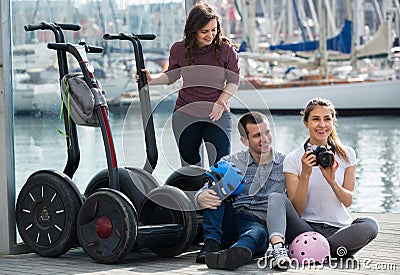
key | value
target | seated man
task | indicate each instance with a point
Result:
(241, 225)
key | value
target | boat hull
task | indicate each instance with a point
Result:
(380, 97)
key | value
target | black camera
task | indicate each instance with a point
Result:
(325, 156)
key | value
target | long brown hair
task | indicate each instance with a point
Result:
(322, 102)
(198, 17)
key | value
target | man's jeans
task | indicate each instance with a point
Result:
(235, 229)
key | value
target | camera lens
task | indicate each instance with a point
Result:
(325, 159)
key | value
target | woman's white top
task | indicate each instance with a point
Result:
(322, 204)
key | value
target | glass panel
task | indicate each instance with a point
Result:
(40, 141)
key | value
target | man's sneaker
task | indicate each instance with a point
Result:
(209, 246)
(229, 259)
(280, 258)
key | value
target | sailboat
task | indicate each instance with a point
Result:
(353, 94)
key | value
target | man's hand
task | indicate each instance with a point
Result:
(209, 199)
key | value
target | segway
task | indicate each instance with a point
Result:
(48, 203)
(189, 178)
(109, 224)
(106, 223)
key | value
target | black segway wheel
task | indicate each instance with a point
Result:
(148, 180)
(130, 184)
(170, 205)
(107, 226)
(190, 179)
(46, 211)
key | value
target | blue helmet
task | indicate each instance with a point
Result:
(226, 179)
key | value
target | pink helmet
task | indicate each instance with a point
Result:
(309, 247)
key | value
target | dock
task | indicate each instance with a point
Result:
(381, 256)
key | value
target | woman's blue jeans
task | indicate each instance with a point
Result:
(235, 229)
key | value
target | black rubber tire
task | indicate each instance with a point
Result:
(46, 213)
(119, 210)
(169, 205)
(130, 185)
(190, 179)
(148, 180)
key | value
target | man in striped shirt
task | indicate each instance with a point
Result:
(240, 224)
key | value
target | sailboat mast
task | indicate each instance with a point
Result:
(33, 21)
(354, 37)
(252, 25)
(322, 50)
(114, 16)
(188, 6)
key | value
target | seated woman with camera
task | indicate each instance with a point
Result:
(320, 180)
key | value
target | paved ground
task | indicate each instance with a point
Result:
(379, 257)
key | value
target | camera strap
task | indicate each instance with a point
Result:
(330, 146)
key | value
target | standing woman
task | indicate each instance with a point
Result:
(208, 65)
(321, 194)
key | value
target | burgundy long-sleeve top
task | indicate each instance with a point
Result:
(204, 81)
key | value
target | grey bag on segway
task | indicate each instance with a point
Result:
(80, 100)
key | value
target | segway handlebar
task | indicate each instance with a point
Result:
(70, 27)
(94, 49)
(145, 104)
(70, 128)
(46, 26)
(122, 36)
(67, 47)
(57, 46)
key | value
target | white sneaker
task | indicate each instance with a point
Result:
(280, 259)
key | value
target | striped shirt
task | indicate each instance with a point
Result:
(260, 181)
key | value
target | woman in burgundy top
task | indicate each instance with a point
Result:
(208, 65)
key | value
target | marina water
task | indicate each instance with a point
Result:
(38, 145)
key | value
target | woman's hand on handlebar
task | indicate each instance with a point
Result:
(159, 79)
(148, 76)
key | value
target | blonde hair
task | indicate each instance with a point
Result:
(322, 102)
